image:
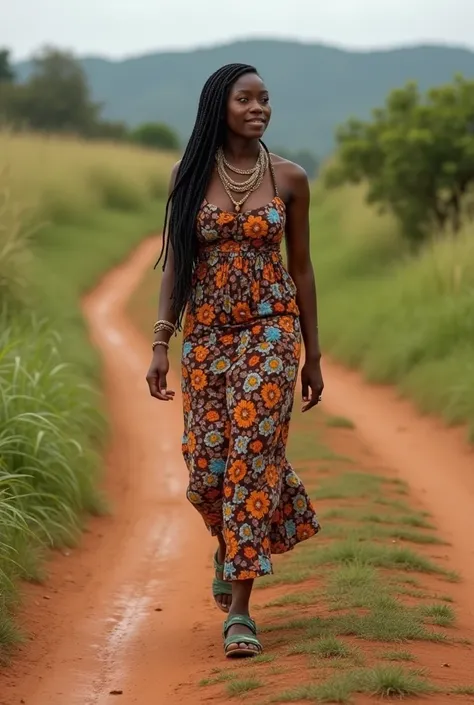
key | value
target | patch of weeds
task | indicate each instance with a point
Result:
(339, 422)
(387, 622)
(220, 677)
(290, 576)
(382, 681)
(393, 682)
(336, 690)
(349, 552)
(441, 615)
(349, 485)
(396, 504)
(445, 598)
(296, 598)
(397, 656)
(416, 521)
(326, 648)
(353, 586)
(245, 685)
(262, 658)
(462, 690)
(372, 532)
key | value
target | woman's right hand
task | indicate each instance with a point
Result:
(156, 376)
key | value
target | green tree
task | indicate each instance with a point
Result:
(416, 155)
(57, 96)
(7, 74)
(156, 135)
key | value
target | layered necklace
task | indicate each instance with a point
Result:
(254, 181)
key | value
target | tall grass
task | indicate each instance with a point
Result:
(68, 212)
(401, 317)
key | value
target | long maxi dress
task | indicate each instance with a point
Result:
(240, 357)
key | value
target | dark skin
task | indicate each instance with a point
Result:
(248, 116)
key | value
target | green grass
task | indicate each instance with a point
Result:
(382, 556)
(380, 681)
(221, 677)
(61, 228)
(440, 615)
(397, 656)
(339, 422)
(462, 690)
(349, 484)
(328, 647)
(415, 305)
(242, 686)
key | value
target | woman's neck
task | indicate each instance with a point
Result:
(238, 150)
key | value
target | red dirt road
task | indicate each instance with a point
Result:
(131, 610)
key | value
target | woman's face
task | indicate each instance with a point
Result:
(248, 107)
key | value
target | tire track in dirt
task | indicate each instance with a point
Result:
(100, 632)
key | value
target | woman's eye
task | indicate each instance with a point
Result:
(242, 100)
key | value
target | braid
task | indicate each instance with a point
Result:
(192, 179)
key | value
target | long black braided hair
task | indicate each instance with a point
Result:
(192, 179)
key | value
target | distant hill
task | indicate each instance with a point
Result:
(313, 87)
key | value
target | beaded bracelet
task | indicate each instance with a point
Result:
(164, 325)
(156, 343)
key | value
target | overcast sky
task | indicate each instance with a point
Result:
(119, 28)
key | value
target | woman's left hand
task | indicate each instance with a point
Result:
(312, 383)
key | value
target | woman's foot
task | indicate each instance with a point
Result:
(221, 589)
(240, 637)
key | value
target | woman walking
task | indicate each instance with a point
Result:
(231, 203)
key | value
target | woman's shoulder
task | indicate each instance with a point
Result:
(289, 174)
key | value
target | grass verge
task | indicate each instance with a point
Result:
(61, 228)
(416, 306)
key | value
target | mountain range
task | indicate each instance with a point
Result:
(313, 87)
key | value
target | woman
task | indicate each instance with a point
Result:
(230, 204)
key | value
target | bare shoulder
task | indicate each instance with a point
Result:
(292, 176)
(174, 173)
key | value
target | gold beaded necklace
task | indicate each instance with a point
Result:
(247, 187)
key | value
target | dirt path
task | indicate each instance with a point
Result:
(130, 610)
(435, 461)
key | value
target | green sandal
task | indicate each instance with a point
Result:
(241, 638)
(219, 586)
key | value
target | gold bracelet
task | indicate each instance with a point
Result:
(164, 325)
(160, 342)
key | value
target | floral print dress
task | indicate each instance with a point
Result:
(241, 349)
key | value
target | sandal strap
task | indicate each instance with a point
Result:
(218, 566)
(239, 619)
(242, 639)
(221, 587)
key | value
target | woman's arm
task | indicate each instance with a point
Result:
(301, 271)
(159, 367)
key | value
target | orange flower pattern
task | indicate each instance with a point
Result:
(241, 349)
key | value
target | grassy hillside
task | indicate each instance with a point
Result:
(68, 212)
(401, 318)
(313, 87)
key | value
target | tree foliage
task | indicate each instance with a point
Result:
(156, 135)
(416, 155)
(7, 74)
(57, 98)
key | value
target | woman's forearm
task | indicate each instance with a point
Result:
(165, 307)
(307, 303)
